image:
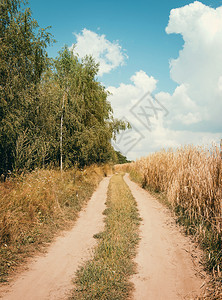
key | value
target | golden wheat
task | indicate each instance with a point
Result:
(191, 178)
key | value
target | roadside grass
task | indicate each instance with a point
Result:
(106, 275)
(35, 206)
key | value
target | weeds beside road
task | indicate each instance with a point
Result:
(35, 206)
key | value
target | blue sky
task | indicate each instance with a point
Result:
(138, 28)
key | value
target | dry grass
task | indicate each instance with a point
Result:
(34, 206)
(191, 180)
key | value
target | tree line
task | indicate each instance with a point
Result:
(53, 112)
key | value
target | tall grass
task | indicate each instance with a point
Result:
(191, 179)
(34, 206)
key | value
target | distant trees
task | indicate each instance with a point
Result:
(121, 159)
(52, 112)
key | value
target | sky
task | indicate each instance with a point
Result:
(161, 61)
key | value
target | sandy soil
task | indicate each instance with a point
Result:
(49, 276)
(167, 261)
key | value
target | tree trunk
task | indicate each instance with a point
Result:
(61, 132)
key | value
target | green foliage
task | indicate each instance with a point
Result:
(121, 159)
(87, 126)
(22, 61)
(52, 112)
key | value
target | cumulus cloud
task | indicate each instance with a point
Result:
(126, 95)
(164, 131)
(199, 64)
(201, 56)
(195, 106)
(129, 104)
(108, 54)
(184, 111)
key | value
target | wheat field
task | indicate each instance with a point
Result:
(191, 179)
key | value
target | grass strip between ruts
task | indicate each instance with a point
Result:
(107, 274)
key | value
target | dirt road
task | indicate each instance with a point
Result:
(166, 269)
(50, 276)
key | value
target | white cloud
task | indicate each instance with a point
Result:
(122, 99)
(171, 131)
(189, 118)
(124, 96)
(198, 67)
(200, 60)
(195, 107)
(183, 110)
(220, 85)
(196, 104)
(108, 54)
(142, 81)
(162, 137)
